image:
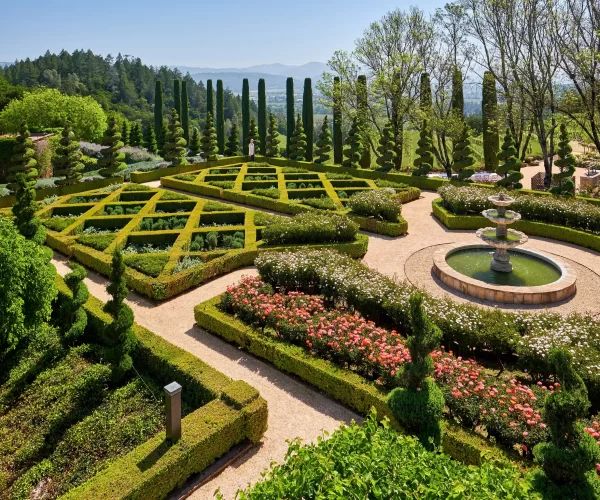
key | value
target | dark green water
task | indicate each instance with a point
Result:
(527, 270)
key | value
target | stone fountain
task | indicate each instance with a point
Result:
(501, 238)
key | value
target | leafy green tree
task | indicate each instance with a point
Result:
(262, 118)
(185, 113)
(209, 140)
(175, 151)
(22, 160)
(220, 122)
(418, 404)
(290, 113)
(125, 133)
(233, 143)
(323, 150)
(354, 143)
(253, 134)
(272, 146)
(26, 285)
(362, 114)
(462, 155)
(67, 159)
(338, 145)
(298, 144)
(308, 118)
(111, 162)
(566, 165)
(73, 315)
(177, 97)
(424, 162)
(510, 168)
(489, 122)
(195, 143)
(150, 140)
(386, 149)
(245, 115)
(159, 108)
(135, 137)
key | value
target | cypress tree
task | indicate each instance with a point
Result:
(354, 150)
(73, 315)
(362, 113)
(290, 112)
(458, 100)
(185, 116)
(175, 144)
(210, 102)
(323, 151)
(272, 146)
(161, 140)
(298, 142)
(424, 162)
(397, 123)
(220, 122)
(566, 165)
(195, 143)
(245, 114)
(425, 94)
(489, 112)
(159, 108)
(386, 149)
(338, 145)
(150, 140)
(462, 155)
(308, 118)
(67, 160)
(177, 97)
(136, 135)
(125, 133)
(111, 162)
(22, 160)
(233, 143)
(511, 165)
(262, 117)
(253, 134)
(209, 140)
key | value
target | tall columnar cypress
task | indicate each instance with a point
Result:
(112, 161)
(245, 114)
(135, 136)
(210, 101)
(424, 162)
(125, 133)
(220, 122)
(298, 141)
(195, 143)
(233, 142)
(308, 118)
(458, 100)
(462, 155)
(290, 112)
(386, 149)
(177, 96)
(159, 108)
(566, 164)
(161, 139)
(209, 140)
(425, 101)
(253, 134)
(150, 140)
(397, 122)
(175, 144)
(353, 151)
(67, 159)
(489, 119)
(272, 146)
(323, 151)
(185, 116)
(262, 116)
(510, 166)
(338, 145)
(362, 113)
(73, 315)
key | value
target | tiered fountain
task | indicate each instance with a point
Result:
(508, 274)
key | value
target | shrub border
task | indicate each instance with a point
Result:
(154, 175)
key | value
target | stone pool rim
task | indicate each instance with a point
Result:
(556, 291)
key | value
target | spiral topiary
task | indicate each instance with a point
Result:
(323, 149)
(272, 146)
(424, 162)
(298, 141)
(67, 161)
(386, 149)
(566, 164)
(510, 166)
(233, 142)
(462, 156)
(175, 144)
(150, 140)
(73, 315)
(418, 404)
(209, 140)
(22, 160)
(354, 152)
(195, 143)
(111, 162)
(253, 134)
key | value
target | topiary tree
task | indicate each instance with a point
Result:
(510, 166)
(177, 96)
(462, 155)
(233, 143)
(185, 113)
(262, 118)
(150, 140)
(290, 113)
(135, 137)
(210, 103)
(253, 134)
(245, 114)
(209, 140)
(338, 145)
(425, 93)
(571, 456)
(22, 160)
(354, 142)
(418, 404)
(566, 165)
(73, 315)
(272, 138)
(298, 142)
(111, 162)
(323, 151)
(159, 109)
(424, 162)
(24, 210)
(125, 133)
(195, 143)
(161, 139)
(362, 110)
(386, 149)
(220, 119)
(458, 101)
(67, 159)
(308, 118)
(175, 151)
(489, 122)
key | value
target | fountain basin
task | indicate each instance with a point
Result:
(509, 216)
(536, 277)
(510, 240)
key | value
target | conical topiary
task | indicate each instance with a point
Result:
(253, 134)
(195, 143)
(462, 156)
(323, 150)
(136, 135)
(298, 141)
(233, 142)
(125, 133)
(209, 140)
(386, 149)
(111, 162)
(510, 165)
(175, 151)
(67, 160)
(73, 315)
(22, 160)
(424, 162)
(272, 137)
(24, 210)
(354, 142)
(150, 140)
(566, 164)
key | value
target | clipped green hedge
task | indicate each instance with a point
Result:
(154, 175)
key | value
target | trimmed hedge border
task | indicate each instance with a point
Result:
(542, 229)
(229, 412)
(349, 388)
(154, 175)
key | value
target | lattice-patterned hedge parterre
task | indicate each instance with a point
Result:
(171, 242)
(288, 190)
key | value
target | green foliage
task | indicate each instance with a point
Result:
(125, 133)
(338, 147)
(272, 145)
(26, 285)
(354, 150)
(510, 168)
(220, 121)
(73, 316)
(215, 206)
(362, 116)
(185, 114)
(233, 143)
(207, 242)
(386, 150)
(253, 134)
(489, 111)
(290, 113)
(375, 203)
(210, 103)
(175, 143)
(159, 108)
(67, 161)
(425, 93)
(163, 223)
(310, 227)
(111, 162)
(245, 115)
(323, 151)
(323, 203)
(268, 192)
(177, 97)
(308, 118)
(424, 162)
(462, 155)
(262, 118)
(458, 101)
(150, 140)
(22, 160)
(298, 142)
(195, 143)
(152, 265)
(135, 136)
(566, 165)
(99, 242)
(209, 140)
(24, 210)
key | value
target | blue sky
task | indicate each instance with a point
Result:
(226, 33)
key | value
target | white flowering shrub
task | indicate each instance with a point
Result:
(376, 203)
(310, 227)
